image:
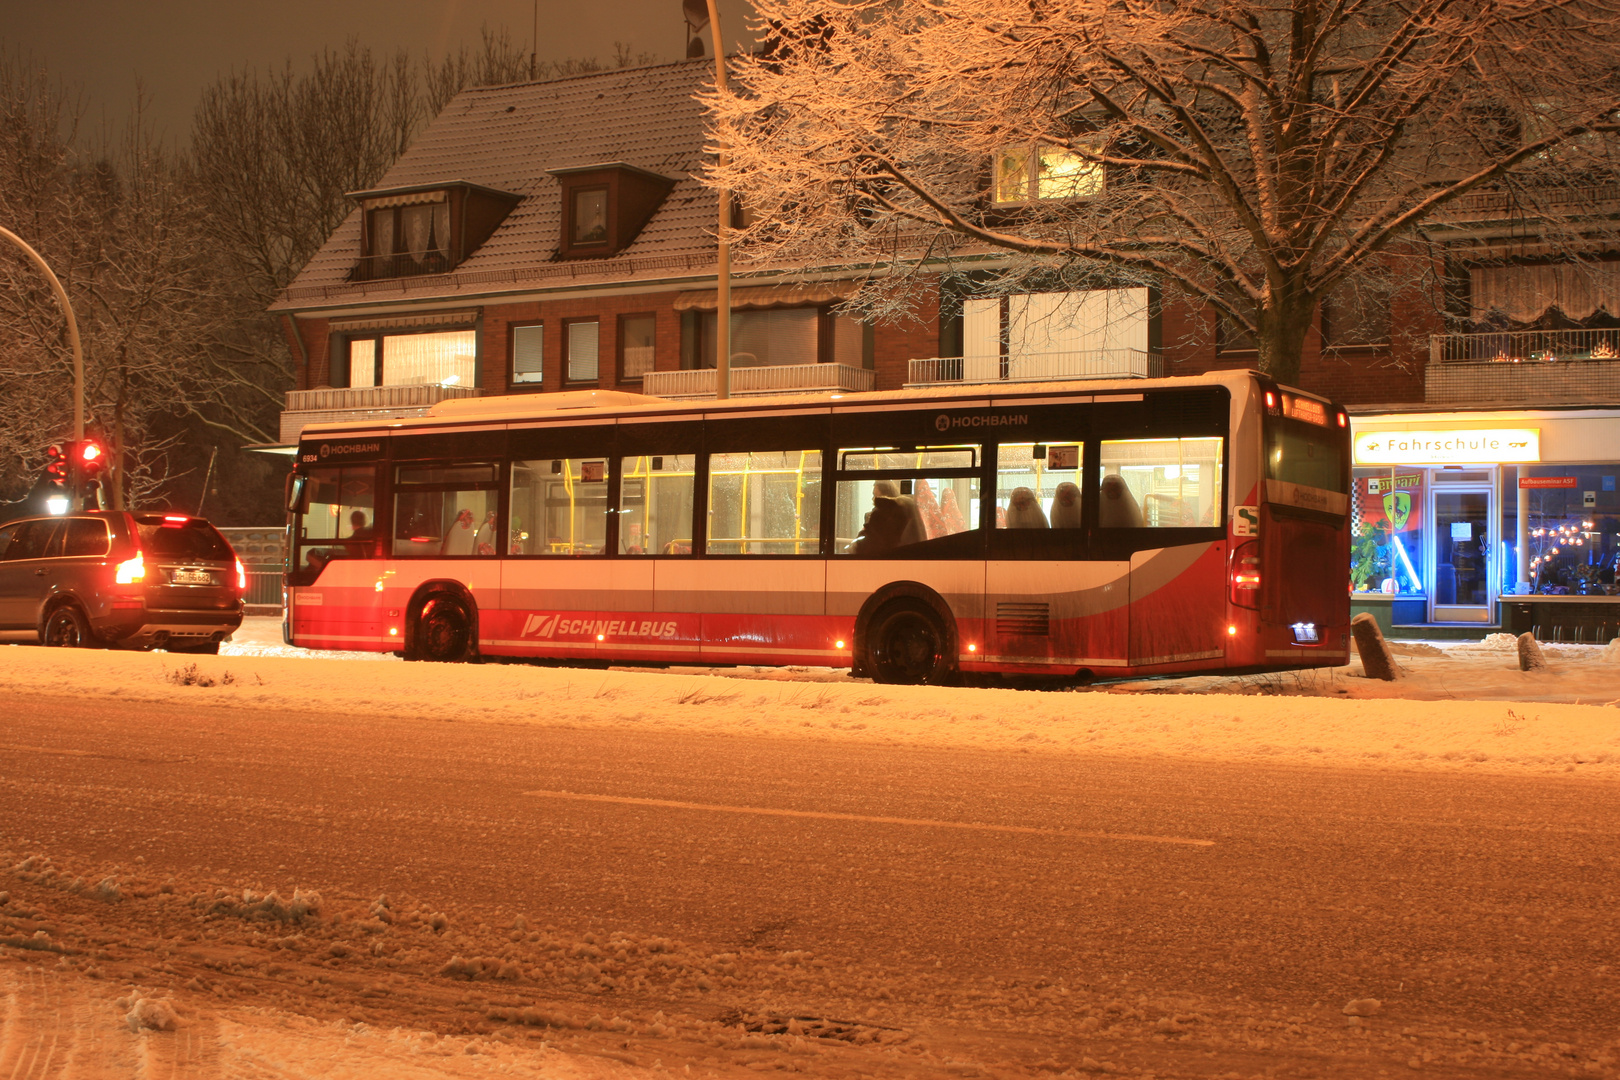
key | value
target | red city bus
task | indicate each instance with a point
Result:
(1103, 530)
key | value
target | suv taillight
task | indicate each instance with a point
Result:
(131, 571)
(241, 577)
(1246, 575)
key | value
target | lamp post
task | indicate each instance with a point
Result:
(722, 315)
(72, 327)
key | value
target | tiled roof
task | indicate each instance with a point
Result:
(507, 137)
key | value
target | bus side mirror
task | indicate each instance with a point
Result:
(296, 486)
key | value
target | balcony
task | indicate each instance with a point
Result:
(406, 264)
(1524, 368)
(363, 403)
(1037, 367)
(750, 381)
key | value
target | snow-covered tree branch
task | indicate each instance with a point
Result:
(1252, 156)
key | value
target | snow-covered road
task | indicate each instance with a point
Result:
(1164, 878)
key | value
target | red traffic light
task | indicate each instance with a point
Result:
(89, 451)
(56, 467)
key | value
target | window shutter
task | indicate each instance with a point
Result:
(582, 352)
(528, 354)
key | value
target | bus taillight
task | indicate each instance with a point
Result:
(1246, 575)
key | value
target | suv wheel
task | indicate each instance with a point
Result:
(67, 628)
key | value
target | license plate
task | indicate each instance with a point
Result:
(1305, 634)
(193, 577)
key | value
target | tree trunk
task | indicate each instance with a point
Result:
(1284, 324)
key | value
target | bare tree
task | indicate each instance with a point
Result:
(1248, 154)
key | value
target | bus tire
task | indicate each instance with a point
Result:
(443, 631)
(907, 644)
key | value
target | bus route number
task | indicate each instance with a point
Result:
(1245, 521)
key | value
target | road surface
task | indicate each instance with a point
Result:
(727, 905)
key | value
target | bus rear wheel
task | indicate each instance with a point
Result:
(444, 630)
(907, 644)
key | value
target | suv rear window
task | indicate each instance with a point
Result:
(191, 539)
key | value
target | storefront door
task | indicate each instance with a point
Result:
(1464, 585)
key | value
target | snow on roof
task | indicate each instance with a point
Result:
(512, 138)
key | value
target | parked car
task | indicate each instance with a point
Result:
(120, 579)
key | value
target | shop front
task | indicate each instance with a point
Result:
(1465, 523)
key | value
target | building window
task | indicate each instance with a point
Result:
(589, 216)
(772, 337)
(1042, 172)
(408, 240)
(582, 351)
(528, 355)
(637, 336)
(1354, 318)
(445, 357)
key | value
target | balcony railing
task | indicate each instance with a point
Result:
(406, 264)
(1525, 346)
(746, 381)
(363, 403)
(1517, 368)
(1037, 367)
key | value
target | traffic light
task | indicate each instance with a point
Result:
(58, 467)
(88, 460)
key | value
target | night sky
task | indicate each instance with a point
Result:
(175, 48)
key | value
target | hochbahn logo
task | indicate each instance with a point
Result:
(945, 422)
(546, 626)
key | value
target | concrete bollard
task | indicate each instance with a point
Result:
(1376, 659)
(1530, 658)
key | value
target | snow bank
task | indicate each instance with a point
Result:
(1462, 707)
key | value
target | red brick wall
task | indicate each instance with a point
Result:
(496, 345)
(914, 339)
(316, 335)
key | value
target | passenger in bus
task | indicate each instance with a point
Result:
(358, 528)
(1066, 506)
(458, 540)
(894, 522)
(1024, 510)
(1117, 508)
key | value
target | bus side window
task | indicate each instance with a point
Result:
(1038, 486)
(559, 507)
(445, 510)
(918, 500)
(1160, 483)
(765, 503)
(655, 504)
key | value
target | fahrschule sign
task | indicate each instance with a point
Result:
(1484, 446)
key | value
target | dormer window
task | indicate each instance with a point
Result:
(419, 230)
(605, 207)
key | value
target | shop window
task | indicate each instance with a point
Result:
(528, 355)
(1571, 531)
(655, 504)
(765, 503)
(637, 346)
(891, 501)
(445, 511)
(1387, 529)
(1160, 483)
(1038, 486)
(559, 507)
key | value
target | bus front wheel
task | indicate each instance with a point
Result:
(907, 644)
(444, 630)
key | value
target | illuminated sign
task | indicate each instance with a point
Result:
(1487, 446)
(1548, 482)
(1303, 408)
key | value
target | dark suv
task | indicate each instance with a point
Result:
(135, 581)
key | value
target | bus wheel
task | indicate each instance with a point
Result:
(444, 630)
(907, 644)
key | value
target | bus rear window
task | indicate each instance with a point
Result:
(1301, 453)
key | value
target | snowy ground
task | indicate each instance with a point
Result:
(1462, 706)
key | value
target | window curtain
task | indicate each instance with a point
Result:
(1525, 293)
(441, 229)
(417, 359)
(417, 223)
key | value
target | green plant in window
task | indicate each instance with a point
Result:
(1369, 556)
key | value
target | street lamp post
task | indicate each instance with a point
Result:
(72, 327)
(722, 315)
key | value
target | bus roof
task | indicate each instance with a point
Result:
(608, 404)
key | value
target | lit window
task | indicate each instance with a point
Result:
(1025, 174)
